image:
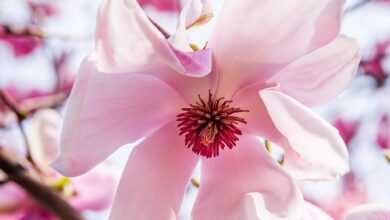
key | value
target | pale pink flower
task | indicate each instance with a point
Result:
(369, 212)
(271, 58)
(43, 137)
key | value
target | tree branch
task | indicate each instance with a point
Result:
(12, 105)
(46, 196)
(38, 32)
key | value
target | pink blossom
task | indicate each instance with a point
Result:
(164, 5)
(373, 66)
(260, 69)
(369, 212)
(383, 133)
(21, 45)
(347, 128)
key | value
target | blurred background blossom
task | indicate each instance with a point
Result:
(42, 43)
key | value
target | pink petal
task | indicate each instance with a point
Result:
(258, 121)
(314, 148)
(155, 178)
(19, 214)
(369, 212)
(234, 185)
(95, 190)
(127, 40)
(253, 40)
(314, 213)
(106, 111)
(21, 45)
(319, 76)
(197, 63)
(12, 198)
(43, 135)
(328, 23)
(194, 12)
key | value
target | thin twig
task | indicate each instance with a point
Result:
(21, 115)
(46, 196)
(12, 105)
(36, 31)
(25, 107)
(48, 101)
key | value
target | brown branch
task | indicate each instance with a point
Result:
(27, 106)
(46, 196)
(4, 181)
(36, 31)
(21, 115)
(48, 101)
(12, 105)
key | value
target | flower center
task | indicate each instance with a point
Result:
(210, 125)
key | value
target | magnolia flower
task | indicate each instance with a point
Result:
(369, 212)
(264, 62)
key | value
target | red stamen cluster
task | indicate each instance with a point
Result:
(210, 125)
